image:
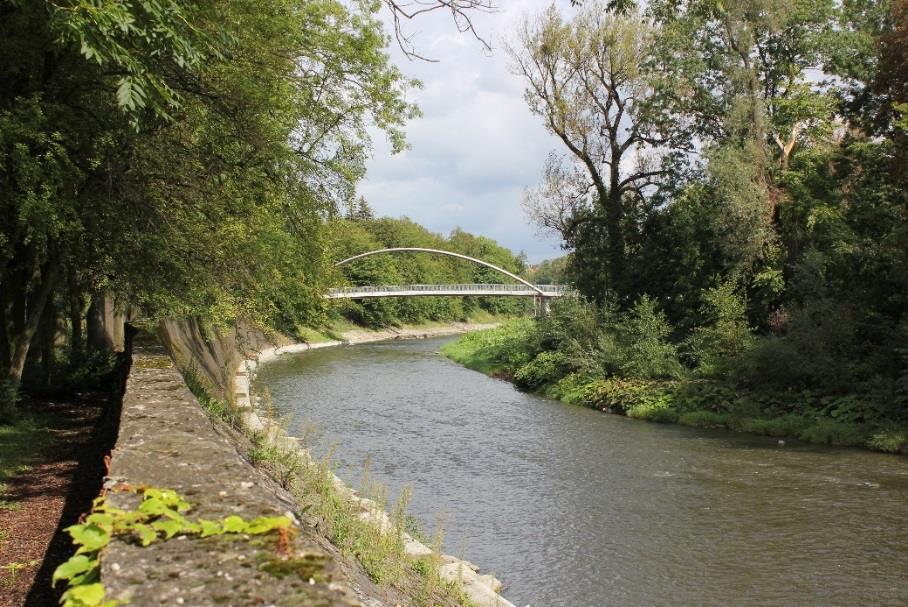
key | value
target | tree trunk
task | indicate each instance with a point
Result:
(34, 312)
(48, 336)
(614, 215)
(4, 335)
(76, 350)
(98, 336)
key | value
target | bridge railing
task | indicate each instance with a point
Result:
(466, 289)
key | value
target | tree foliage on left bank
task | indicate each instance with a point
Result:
(179, 156)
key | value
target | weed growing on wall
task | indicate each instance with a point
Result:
(160, 516)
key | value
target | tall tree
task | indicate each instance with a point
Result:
(585, 78)
(175, 153)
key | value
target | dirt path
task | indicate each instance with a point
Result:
(51, 495)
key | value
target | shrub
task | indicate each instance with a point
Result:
(785, 425)
(712, 346)
(703, 419)
(705, 395)
(546, 368)
(821, 348)
(659, 409)
(831, 432)
(575, 389)
(503, 349)
(626, 395)
(890, 440)
(9, 413)
(647, 353)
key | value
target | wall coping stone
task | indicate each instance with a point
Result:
(167, 441)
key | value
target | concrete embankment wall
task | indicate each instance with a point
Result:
(166, 440)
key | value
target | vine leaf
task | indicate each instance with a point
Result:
(89, 537)
(76, 565)
(234, 524)
(146, 534)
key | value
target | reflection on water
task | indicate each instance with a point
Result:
(571, 507)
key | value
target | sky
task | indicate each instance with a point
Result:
(476, 147)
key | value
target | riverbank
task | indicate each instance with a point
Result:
(571, 507)
(844, 421)
(383, 546)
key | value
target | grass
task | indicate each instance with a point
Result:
(20, 444)
(10, 571)
(317, 335)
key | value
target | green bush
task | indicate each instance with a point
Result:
(8, 410)
(546, 368)
(725, 336)
(705, 395)
(658, 410)
(703, 419)
(890, 440)
(647, 352)
(501, 350)
(831, 432)
(631, 395)
(784, 426)
(575, 389)
(821, 349)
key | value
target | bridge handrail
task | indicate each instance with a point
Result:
(539, 289)
(440, 252)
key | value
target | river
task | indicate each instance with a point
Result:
(575, 508)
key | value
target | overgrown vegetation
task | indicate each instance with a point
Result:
(626, 363)
(749, 268)
(175, 158)
(160, 515)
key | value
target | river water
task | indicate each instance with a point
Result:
(572, 507)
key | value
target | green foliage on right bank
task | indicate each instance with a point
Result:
(731, 193)
(627, 363)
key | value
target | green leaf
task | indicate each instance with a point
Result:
(88, 537)
(168, 497)
(210, 528)
(89, 595)
(169, 527)
(264, 524)
(101, 519)
(234, 524)
(146, 534)
(76, 565)
(153, 506)
(130, 94)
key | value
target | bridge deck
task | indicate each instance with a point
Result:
(508, 290)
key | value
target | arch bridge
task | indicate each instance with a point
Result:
(523, 288)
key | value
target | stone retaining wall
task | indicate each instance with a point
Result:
(166, 440)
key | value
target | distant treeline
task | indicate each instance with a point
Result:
(364, 233)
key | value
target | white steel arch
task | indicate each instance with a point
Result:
(539, 291)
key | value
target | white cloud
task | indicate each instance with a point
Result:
(476, 148)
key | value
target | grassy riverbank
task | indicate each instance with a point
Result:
(845, 420)
(341, 328)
